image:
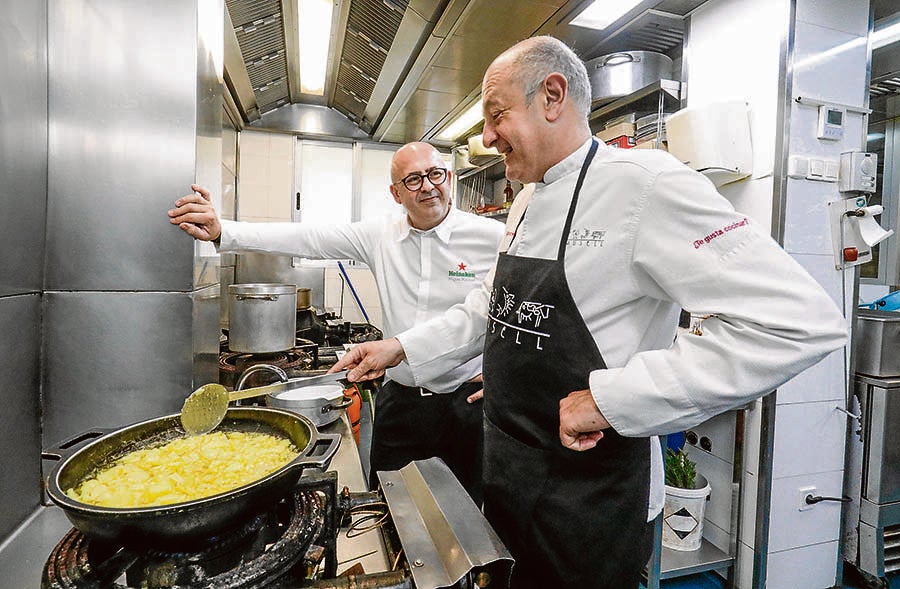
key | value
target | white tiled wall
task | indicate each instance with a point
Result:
(363, 281)
(802, 546)
(267, 172)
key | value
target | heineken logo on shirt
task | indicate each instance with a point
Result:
(461, 272)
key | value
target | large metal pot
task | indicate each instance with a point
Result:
(262, 318)
(182, 523)
(322, 404)
(620, 74)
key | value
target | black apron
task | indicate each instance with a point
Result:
(570, 519)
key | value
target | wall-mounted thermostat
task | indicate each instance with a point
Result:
(831, 122)
(858, 171)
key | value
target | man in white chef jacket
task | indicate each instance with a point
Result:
(577, 324)
(424, 261)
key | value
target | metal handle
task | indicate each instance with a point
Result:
(68, 446)
(261, 297)
(620, 57)
(342, 405)
(853, 415)
(331, 443)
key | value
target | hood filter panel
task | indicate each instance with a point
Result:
(259, 27)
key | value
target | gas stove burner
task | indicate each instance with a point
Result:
(233, 364)
(268, 551)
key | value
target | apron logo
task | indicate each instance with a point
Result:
(586, 238)
(461, 272)
(527, 316)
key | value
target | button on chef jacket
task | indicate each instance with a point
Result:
(650, 236)
(419, 274)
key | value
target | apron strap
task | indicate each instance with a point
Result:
(568, 227)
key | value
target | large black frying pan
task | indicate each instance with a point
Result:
(182, 523)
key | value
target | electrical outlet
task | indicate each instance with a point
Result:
(802, 493)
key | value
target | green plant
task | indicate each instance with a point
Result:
(680, 469)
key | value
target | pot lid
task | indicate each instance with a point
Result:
(328, 392)
(262, 289)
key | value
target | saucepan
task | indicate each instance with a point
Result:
(181, 523)
(322, 404)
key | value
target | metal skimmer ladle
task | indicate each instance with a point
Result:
(206, 407)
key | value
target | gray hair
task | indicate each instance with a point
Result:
(537, 57)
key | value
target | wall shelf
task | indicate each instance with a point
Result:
(654, 97)
(466, 172)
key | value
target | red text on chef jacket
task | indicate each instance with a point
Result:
(699, 242)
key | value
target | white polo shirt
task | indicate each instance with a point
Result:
(419, 274)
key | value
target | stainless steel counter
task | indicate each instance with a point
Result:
(23, 554)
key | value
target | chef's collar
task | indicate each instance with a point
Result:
(442, 230)
(569, 164)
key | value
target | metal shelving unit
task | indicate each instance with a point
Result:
(670, 564)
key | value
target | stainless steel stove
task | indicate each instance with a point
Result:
(420, 530)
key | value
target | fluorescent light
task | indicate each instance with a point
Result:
(462, 123)
(602, 13)
(886, 35)
(315, 34)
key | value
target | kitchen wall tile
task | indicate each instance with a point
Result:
(281, 146)
(253, 202)
(715, 535)
(824, 381)
(791, 528)
(806, 217)
(809, 438)
(849, 16)
(748, 513)
(822, 55)
(254, 169)
(744, 567)
(718, 473)
(751, 437)
(364, 283)
(254, 141)
(813, 567)
(821, 267)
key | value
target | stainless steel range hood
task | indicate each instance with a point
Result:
(400, 70)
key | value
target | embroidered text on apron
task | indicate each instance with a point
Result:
(570, 519)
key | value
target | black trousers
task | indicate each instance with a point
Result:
(409, 426)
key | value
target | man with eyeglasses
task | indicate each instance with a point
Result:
(424, 261)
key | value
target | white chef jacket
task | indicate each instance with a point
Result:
(651, 236)
(419, 274)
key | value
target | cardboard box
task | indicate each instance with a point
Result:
(622, 142)
(622, 129)
(651, 145)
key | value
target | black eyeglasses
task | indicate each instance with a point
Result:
(415, 180)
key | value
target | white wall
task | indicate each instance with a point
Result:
(736, 52)
(265, 194)
(266, 179)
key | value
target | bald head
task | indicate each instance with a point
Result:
(406, 158)
(533, 59)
